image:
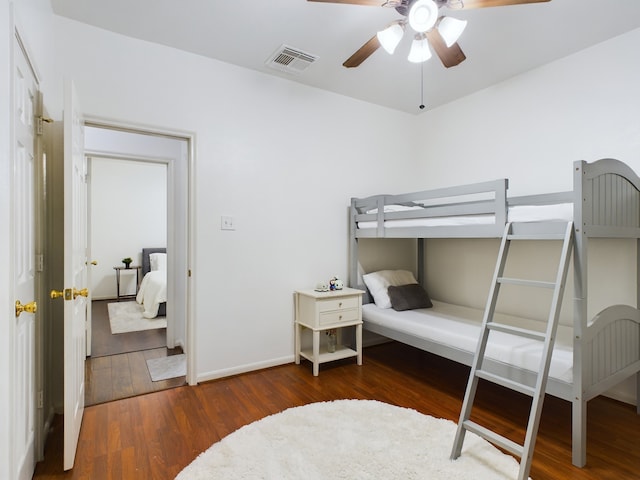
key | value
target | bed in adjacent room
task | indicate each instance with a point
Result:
(152, 294)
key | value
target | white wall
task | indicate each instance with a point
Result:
(530, 129)
(282, 158)
(128, 213)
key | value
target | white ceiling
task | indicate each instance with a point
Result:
(499, 42)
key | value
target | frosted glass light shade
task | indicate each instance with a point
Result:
(450, 29)
(420, 51)
(390, 37)
(423, 15)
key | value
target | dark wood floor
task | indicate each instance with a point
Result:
(155, 436)
(103, 342)
(117, 367)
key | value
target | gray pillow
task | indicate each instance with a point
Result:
(409, 297)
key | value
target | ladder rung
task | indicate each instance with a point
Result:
(538, 236)
(526, 283)
(505, 382)
(494, 438)
(521, 332)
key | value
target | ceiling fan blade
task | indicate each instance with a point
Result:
(450, 56)
(363, 53)
(371, 3)
(468, 4)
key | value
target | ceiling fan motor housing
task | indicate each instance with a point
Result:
(403, 6)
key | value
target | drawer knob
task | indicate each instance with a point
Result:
(340, 317)
(340, 305)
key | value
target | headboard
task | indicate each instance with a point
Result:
(146, 263)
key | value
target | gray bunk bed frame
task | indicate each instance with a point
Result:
(606, 204)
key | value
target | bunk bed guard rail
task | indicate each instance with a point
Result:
(481, 208)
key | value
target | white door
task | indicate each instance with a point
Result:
(23, 222)
(76, 299)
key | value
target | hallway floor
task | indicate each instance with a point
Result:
(117, 367)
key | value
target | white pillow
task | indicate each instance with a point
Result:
(158, 261)
(378, 283)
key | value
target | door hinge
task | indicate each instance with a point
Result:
(40, 263)
(40, 399)
(40, 121)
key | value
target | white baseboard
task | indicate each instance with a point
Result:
(250, 367)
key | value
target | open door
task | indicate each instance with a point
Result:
(23, 326)
(76, 295)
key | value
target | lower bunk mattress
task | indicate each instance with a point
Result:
(458, 328)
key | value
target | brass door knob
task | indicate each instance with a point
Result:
(31, 307)
(80, 293)
(56, 293)
(94, 262)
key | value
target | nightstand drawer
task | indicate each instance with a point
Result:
(338, 304)
(337, 316)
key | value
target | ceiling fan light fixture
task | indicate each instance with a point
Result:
(450, 29)
(423, 15)
(420, 51)
(390, 37)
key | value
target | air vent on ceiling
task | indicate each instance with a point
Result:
(290, 60)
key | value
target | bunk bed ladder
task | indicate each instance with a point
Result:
(537, 231)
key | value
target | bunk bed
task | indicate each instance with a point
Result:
(592, 355)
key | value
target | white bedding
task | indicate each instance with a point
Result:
(459, 327)
(152, 292)
(519, 213)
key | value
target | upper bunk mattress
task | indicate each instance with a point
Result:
(458, 327)
(519, 213)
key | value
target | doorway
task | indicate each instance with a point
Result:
(137, 196)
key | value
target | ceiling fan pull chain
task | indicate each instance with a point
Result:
(422, 86)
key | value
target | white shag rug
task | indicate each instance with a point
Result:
(350, 440)
(127, 317)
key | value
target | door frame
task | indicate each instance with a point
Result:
(180, 181)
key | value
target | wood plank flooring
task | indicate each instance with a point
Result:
(125, 375)
(117, 367)
(104, 343)
(155, 436)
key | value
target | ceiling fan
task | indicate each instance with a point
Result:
(440, 32)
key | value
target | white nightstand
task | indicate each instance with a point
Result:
(320, 311)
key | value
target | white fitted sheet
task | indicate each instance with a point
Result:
(459, 327)
(519, 213)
